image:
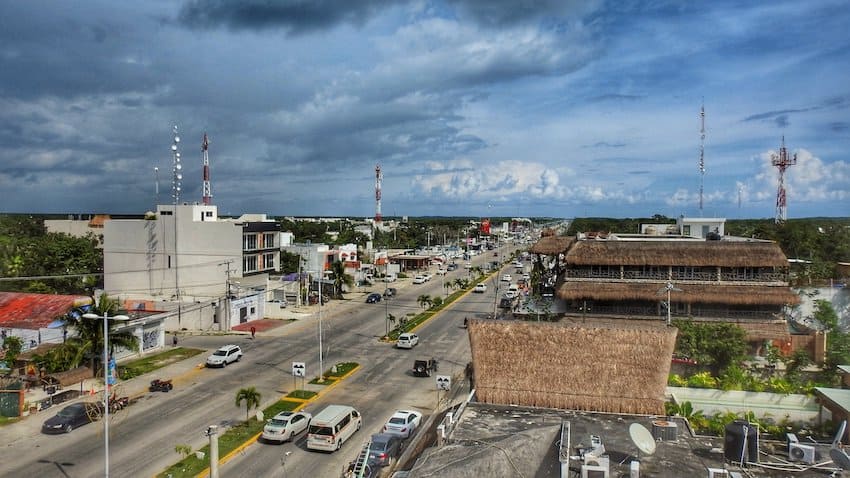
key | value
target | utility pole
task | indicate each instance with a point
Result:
(227, 290)
(212, 432)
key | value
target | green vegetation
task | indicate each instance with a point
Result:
(301, 394)
(250, 396)
(715, 345)
(332, 376)
(156, 361)
(228, 441)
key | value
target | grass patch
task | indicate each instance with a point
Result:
(327, 381)
(342, 368)
(8, 420)
(302, 394)
(153, 362)
(232, 438)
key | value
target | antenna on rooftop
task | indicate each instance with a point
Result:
(379, 177)
(668, 289)
(207, 189)
(701, 154)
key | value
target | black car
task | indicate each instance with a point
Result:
(73, 416)
(385, 449)
(423, 368)
(390, 292)
(452, 266)
(373, 297)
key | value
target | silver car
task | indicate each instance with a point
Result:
(286, 425)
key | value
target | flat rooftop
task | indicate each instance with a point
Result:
(508, 441)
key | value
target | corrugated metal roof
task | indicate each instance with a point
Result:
(20, 310)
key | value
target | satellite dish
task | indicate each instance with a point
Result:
(642, 438)
(840, 458)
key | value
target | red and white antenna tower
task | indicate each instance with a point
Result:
(378, 178)
(782, 161)
(207, 188)
(701, 154)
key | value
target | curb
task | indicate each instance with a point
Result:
(223, 460)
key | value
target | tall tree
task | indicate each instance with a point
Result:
(88, 333)
(340, 278)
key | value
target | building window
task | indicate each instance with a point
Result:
(249, 264)
(164, 213)
(208, 213)
(686, 230)
(249, 242)
(268, 240)
(268, 260)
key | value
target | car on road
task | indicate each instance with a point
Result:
(423, 368)
(451, 266)
(390, 292)
(227, 354)
(403, 423)
(384, 449)
(427, 276)
(480, 288)
(441, 272)
(407, 340)
(286, 425)
(373, 297)
(73, 416)
(511, 294)
(506, 278)
(420, 279)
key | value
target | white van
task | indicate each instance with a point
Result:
(332, 426)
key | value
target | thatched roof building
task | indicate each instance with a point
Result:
(677, 253)
(727, 293)
(617, 369)
(552, 245)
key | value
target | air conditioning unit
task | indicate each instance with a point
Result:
(789, 439)
(803, 453)
(718, 473)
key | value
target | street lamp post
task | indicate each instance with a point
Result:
(105, 318)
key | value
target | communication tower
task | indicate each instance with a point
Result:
(701, 154)
(782, 161)
(378, 178)
(207, 188)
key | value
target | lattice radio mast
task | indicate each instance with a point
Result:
(378, 179)
(701, 155)
(207, 188)
(782, 161)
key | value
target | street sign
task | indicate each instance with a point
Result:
(444, 382)
(299, 369)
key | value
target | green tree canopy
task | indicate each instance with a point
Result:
(716, 345)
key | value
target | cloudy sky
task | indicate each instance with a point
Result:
(558, 108)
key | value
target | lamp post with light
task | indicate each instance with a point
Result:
(105, 318)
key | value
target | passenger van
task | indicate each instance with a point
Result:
(332, 427)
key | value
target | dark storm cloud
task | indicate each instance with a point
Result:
(500, 13)
(774, 115)
(781, 121)
(294, 16)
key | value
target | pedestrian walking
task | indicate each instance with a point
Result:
(174, 340)
(253, 331)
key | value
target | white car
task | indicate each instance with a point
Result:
(419, 280)
(441, 272)
(480, 288)
(286, 425)
(407, 341)
(403, 423)
(511, 294)
(506, 278)
(427, 276)
(225, 355)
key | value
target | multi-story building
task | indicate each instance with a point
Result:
(744, 281)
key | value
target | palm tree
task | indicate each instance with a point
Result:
(88, 339)
(251, 397)
(424, 300)
(340, 278)
(458, 283)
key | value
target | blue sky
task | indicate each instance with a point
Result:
(471, 107)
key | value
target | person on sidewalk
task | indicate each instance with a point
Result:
(253, 331)
(174, 340)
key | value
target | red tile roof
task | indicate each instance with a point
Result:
(20, 310)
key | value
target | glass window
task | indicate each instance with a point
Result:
(249, 242)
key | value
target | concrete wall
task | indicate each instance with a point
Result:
(139, 256)
(797, 407)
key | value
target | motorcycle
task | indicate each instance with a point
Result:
(158, 385)
(118, 403)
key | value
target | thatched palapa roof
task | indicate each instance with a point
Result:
(677, 253)
(714, 293)
(552, 245)
(616, 369)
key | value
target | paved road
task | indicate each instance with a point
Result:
(143, 436)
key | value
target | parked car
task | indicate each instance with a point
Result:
(407, 340)
(225, 355)
(480, 288)
(403, 423)
(73, 416)
(510, 294)
(286, 425)
(282, 303)
(384, 450)
(420, 279)
(373, 297)
(423, 368)
(390, 292)
(441, 272)
(506, 278)
(451, 266)
(427, 276)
